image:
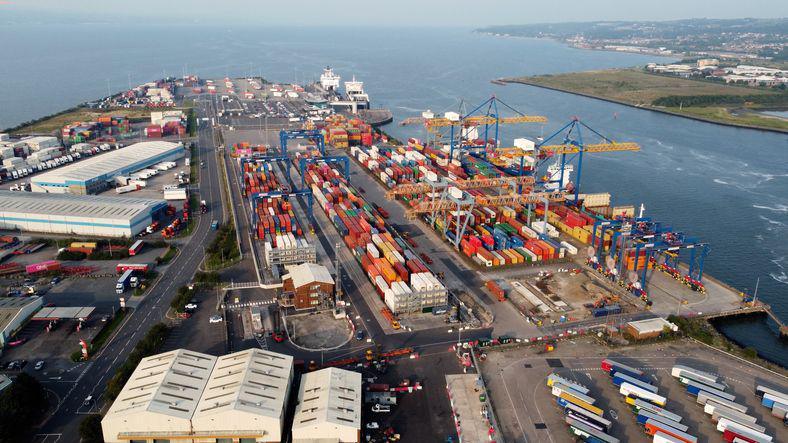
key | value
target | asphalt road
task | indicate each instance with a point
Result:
(91, 378)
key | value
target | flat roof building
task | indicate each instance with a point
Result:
(310, 285)
(329, 407)
(95, 174)
(190, 396)
(103, 216)
(649, 328)
(14, 312)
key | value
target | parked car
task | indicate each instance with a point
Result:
(191, 306)
(215, 319)
(381, 408)
(39, 365)
(360, 334)
(373, 425)
(54, 281)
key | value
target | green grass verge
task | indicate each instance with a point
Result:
(168, 255)
(55, 122)
(223, 250)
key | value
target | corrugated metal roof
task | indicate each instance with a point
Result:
(168, 384)
(252, 381)
(70, 205)
(330, 395)
(10, 307)
(307, 273)
(107, 163)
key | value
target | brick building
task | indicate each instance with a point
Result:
(308, 285)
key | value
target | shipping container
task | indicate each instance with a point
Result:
(565, 398)
(597, 420)
(696, 388)
(717, 410)
(743, 430)
(553, 378)
(136, 247)
(687, 378)
(620, 377)
(641, 404)
(628, 389)
(761, 390)
(652, 427)
(588, 433)
(643, 416)
(558, 389)
(679, 371)
(704, 396)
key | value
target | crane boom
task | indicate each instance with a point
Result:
(492, 200)
(595, 147)
(477, 120)
(474, 183)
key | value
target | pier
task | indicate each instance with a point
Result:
(757, 309)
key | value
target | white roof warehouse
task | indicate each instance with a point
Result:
(104, 216)
(190, 396)
(92, 175)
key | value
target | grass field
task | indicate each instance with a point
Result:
(637, 88)
(56, 122)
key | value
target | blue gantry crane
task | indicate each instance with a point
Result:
(265, 159)
(309, 134)
(330, 159)
(279, 194)
(572, 146)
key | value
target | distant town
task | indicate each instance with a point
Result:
(750, 40)
(710, 69)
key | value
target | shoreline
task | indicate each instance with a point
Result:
(508, 81)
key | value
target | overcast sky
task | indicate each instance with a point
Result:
(390, 12)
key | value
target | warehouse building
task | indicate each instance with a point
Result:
(649, 328)
(245, 397)
(97, 173)
(190, 396)
(102, 216)
(14, 312)
(329, 407)
(307, 285)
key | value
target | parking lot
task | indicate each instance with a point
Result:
(423, 415)
(527, 410)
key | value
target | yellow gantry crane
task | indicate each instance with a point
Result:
(474, 183)
(437, 125)
(433, 206)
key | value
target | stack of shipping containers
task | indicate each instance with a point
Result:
(402, 281)
(276, 224)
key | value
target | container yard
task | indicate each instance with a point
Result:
(401, 279)
(275, 223)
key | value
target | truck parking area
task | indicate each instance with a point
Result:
(527, 410)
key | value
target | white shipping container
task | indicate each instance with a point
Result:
(572, 250)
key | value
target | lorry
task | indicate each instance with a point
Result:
(124, 281)
(136, 247)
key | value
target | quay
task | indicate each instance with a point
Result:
(760, 308)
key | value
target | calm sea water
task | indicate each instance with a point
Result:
(727, 186)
